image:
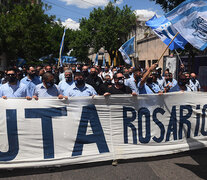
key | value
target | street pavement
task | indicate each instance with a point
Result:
(183, 166)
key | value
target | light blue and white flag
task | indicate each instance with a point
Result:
(104, 61)
(96, 60)
(126, 49)
(190, 20)
(61, 48)
(163, 28)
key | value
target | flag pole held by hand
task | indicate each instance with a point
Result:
(167, 47)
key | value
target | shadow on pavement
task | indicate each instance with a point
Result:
(199, 156)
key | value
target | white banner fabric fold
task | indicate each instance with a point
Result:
(52, 132)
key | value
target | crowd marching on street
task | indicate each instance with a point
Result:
(82, 80)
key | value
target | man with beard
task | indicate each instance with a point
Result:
(79, 88)
(94, 80)
(13, 88)
(67, 82)
(31, 80)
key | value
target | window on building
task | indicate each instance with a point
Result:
(154, 61)
(149, 63)
(142, 64)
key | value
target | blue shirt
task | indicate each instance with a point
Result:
(148, 88)
(31, 84)
(42, 91)
(63, 86)
(17, 90)
(177, 88)
(86, 90)
(133, 86)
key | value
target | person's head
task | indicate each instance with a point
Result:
(166, 71)
(31, 72)
(182, 80)
(150, 79)
(73, 68)
(106, 69)
(68, 76)
(85, 68)
(93, 72)
(78, 66)
(119, 79)
(154, 76)
(193, 77)
(137, 73)
(131, 70)
(187, 76)
(107, 79)
(65, 68)
(12, 76)
(48, 79)
(126, 73)
(114, 70)
(48, 69)
(79, 79)
(159, 71)
(85, 71)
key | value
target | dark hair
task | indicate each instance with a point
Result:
(46, 75)
(78, 74)
(115, 75)
(137, 69)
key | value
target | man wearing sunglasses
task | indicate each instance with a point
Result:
(118, 87)
(13, 88)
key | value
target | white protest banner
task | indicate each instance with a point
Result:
(52, 132)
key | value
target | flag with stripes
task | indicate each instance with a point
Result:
(163, 28)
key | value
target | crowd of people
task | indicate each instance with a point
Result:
(82, 80)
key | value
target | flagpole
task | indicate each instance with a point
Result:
(62, 43)
(168, 47)
(178, 57)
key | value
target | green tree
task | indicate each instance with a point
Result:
(27, 32)
(108, 28)
(168, 5)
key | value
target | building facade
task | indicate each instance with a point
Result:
(148, 47)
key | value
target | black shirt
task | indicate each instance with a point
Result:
(103, 88)
(123, 90)
(95, 82)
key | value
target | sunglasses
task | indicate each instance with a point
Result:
(11, 75)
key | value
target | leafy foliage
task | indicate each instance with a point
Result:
(106, 28)
(27, 32)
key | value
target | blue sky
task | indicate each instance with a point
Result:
(70, 11)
